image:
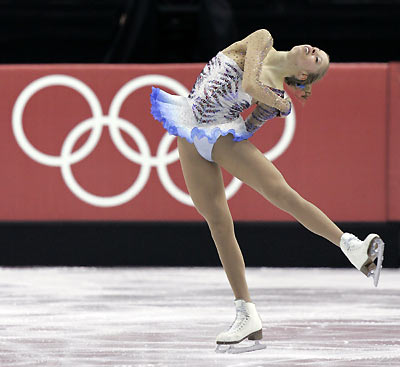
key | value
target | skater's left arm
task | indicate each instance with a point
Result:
(260, 115)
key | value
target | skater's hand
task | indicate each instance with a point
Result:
(288, 109)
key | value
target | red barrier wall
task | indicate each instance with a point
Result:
(337, 158)
(394, 139)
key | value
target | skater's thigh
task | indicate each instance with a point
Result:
(244, 161)
(204, 183)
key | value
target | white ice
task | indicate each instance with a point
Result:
(157, 317)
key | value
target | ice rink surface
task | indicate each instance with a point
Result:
(170, 317)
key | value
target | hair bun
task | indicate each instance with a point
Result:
(302, 91)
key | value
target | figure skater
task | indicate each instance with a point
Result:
(211, 133)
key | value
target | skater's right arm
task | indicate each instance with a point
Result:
(258, 45)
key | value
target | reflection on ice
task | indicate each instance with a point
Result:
(170, 317)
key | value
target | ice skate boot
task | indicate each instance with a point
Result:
(247, 325)
(362, 254)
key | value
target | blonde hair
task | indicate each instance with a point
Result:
(305, 85)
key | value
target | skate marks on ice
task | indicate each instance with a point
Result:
(171, 316)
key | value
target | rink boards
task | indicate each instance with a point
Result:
(79, 143)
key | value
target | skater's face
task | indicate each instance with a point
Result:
(309, 60)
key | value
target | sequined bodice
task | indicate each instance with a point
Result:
(213, 107)
(217, 95)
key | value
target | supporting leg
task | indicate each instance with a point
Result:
(205, 184)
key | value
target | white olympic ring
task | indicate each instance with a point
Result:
(115, 124)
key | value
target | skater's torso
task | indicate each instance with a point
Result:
(218, 97)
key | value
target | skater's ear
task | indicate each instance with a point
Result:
(302, 75)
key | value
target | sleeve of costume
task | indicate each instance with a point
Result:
(258, 45)
(259, 116)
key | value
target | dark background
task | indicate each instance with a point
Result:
(159, 31)
(178, 244)
(163, 31)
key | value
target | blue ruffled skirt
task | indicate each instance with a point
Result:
(177, 117)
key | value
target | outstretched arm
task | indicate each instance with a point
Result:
(259, 44)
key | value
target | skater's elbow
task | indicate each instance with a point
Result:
(248, 86)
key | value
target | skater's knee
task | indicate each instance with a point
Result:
(215, 212)
(282, 195)
(220, 224)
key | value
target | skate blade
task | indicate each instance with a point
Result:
(378, 247)
(231, 349)
(375, 252)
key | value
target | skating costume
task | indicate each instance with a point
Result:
(212, 108)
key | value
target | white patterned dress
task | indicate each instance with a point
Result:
(213, 106)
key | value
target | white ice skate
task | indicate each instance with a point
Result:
(247, 325)
(362, 254)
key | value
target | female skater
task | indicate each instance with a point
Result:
(211, 133)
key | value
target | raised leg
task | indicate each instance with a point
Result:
(244, 161)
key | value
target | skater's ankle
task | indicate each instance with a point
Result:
(246, 299)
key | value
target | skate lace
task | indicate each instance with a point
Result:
(351, 242)
(241, 318)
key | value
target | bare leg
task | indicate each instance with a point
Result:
(244, 161)
(206, 188)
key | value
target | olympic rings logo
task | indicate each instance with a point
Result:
(115, 123)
